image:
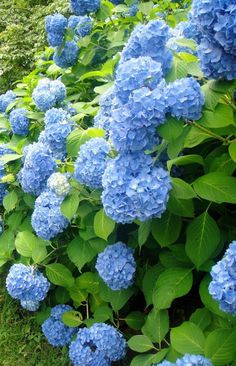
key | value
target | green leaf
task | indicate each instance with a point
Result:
(162, 229)
(88, 281)
(211, 97)
(180, 207)
(179, 70)
(185, 160)
(188, 338)
(59, 275)
(119, 298)
(103, 313)
(216, 187)
(135, 320)
(70, 205)
(77, 295)
(171, 129)
(10, 157)
(149, 281)
(222, 116)
(182, 190)
(80, 252)
(149, 359)
(220, 346)
(10, 201)
(7, 243)
(202, 318)
(75, 140)
(140, 343)
(143, 232)
(195, 137)
(203, 236)
(157, 325)
(26, 242)
(232, 150)
(39, 253)
(103, 225)
(172, 283)
(145, 8)
(72, 318)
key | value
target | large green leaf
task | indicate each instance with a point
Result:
(182, 190)
(28, 245)
(172, 283)
(149, 359)
(188, 338)
(203, 236)
(10, 201)
(216, 187)
(171, 129)
(135, 320)
(157, 325)
(80, 252)
(220, 346)
(140, 343)
(70, 205)
(103, 225)
(144, 231)
(59, 275)
(202, 318)
(72, 318)
(149, 281)
(162, 229)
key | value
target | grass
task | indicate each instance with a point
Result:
(21, 340)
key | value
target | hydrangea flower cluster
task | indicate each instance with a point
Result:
(133, 125)
(3, 186)
(38, 166)
(83, 7)
(6, 99)
(48, 93)
(134, 188)
(82, 25)
(149, 40)
(57, 333)
(103, 118)
(223, 285)
(187, 360)
(185, 99)
(58, 183)
(19, 121)
(216, 20)
(67, 56)
(116, 266)
(58, 125)
(55, 26)
(4, 150)
(97, 346)
(91, 162)
(27, 284)
(47, 219)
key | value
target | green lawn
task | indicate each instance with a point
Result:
(21, 341)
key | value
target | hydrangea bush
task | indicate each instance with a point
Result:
(117, 191)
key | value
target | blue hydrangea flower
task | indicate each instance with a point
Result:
(135, 74)
(58, 183)
(133, 125)
(116, 266)
(134, 188)
(37, 168)
(223, 284)
(6, 99)
(97, 346)
(4, 150)
(103, 118)
(82, 25)
(58, 126)
(185, 99)
(215, 62)
(30, 305)
(187, 360)
(116, 2)
(108, 341)
(149, 40)
(133, 9)
(26, 283)
(19, 121)
(191, 30)
(225, 28)
(55, 26)
(82, 7)
(91, 162)
(57, 333)
(177, 34)
(47, 219)
(48, 93)
(67, 56)
(3, 186)
(193, 360)
(1, 226)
